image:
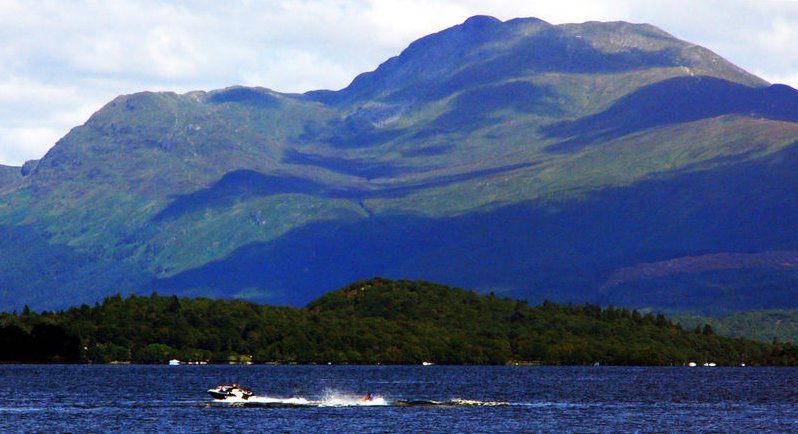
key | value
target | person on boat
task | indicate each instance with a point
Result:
(369, 397)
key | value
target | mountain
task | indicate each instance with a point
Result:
(608, 163)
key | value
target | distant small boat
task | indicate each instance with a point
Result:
(427, 363)
(174, 362)
(692, 364)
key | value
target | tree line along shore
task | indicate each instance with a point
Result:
(369, 322)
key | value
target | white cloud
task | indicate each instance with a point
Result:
(397, 23)
(27, 141)
(61, 60)
(298, 70)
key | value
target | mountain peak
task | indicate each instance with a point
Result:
(485, 49)
(478, 21)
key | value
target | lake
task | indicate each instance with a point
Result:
(120, 398)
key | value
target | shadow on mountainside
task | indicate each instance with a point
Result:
(46, 275)
(242, 184)
(674, 101)
(562, 252)
(251, 96)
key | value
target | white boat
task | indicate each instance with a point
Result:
(230, 392)
(174, 362)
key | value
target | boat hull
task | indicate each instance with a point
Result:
(217, 394)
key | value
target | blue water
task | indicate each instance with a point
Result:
(82, 398)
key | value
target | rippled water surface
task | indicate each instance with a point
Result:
(36, 398)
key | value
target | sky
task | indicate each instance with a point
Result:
(62, 60)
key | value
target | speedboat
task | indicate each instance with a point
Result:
(232, 391)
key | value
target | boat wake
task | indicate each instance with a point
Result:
(234, 395)
(346, 400)
(330, 399)
(450, 403)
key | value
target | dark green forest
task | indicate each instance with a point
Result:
(373, 321)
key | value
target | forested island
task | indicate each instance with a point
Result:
(369, 322)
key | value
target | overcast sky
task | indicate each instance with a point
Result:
(62, 60)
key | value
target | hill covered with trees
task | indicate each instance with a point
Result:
(372, 321)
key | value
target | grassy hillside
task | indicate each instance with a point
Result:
(373, 321)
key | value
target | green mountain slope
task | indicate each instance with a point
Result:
(518, 157)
